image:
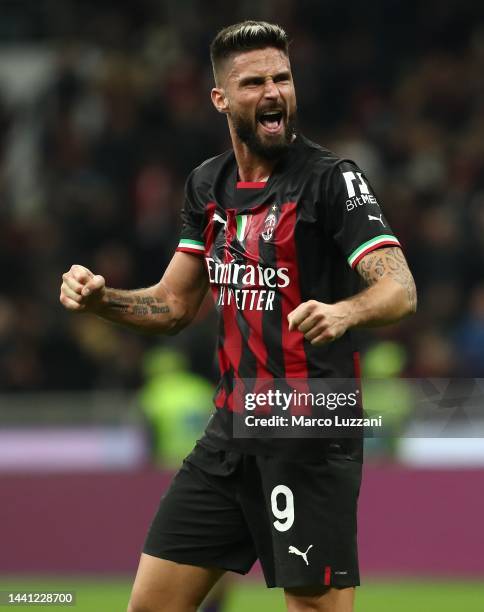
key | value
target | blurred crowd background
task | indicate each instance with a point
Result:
(105, 108)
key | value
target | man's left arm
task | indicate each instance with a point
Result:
(390, 295)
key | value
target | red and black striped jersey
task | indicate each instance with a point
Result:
(270, 246)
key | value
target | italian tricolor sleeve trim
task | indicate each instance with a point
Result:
(371, 245)
(191, 246)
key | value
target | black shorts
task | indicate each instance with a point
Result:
(224, 510)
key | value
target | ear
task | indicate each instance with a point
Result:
(219, 100)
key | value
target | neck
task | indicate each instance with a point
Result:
(251, 167)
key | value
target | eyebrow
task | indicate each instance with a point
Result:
(259, 80)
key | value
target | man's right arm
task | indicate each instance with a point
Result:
(164, 308)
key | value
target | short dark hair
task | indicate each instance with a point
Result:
(246, 36)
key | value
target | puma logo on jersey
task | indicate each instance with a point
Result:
(294, 551)
(372, 218)
(217, 217)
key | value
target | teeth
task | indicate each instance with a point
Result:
(271, 119)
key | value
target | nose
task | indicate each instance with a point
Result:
(270, 89)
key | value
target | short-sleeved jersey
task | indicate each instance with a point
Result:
(268, 247)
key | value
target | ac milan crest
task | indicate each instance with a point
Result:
(270, 224)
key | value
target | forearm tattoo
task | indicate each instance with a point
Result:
(388, 262)
(139, 306)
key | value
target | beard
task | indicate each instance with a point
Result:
(247, 133)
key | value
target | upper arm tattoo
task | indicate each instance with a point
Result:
(388, 262)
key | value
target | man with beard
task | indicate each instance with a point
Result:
(280, 229)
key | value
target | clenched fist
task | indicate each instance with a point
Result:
(320, 323)
(81, 290)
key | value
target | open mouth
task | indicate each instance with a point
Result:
(271, 120)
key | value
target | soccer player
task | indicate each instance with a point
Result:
(280, 229)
